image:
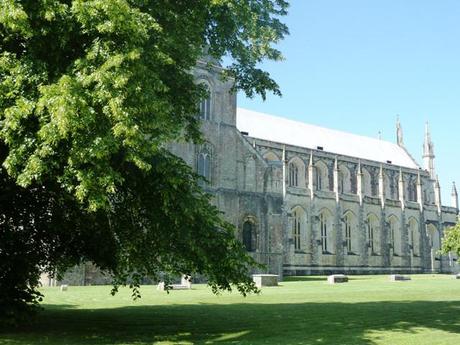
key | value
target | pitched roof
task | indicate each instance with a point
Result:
(282, 130)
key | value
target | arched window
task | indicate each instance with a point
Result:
(373, 234)
(434, 239)
(392, 186)
(296, 173)
(414, 236)
(205, 105)
(412, 190)
(344, 179)
(395, 235)
(296, 230)
(299, 228)
(249, 236)
(322, 176)
(327, 232)
(349, 220)
(271, 157)
(293, 175)
(324, 229)
(367, 183)
(435, 246)
(203, 162)
(348, 240)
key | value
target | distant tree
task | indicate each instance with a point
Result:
(90, 92)
(451, 240)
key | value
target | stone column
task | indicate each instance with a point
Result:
(381, 186)
(401, 190)
(340, 252)
(314, 221)
(311, 177)
(437, 195)
(359, 183)
(336, 180)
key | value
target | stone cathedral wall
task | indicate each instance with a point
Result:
(250, 180)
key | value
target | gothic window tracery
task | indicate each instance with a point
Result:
(327, 232)
(323, 226)
(204, 162)
(322, 176)
(299, 228)
(293, 175)
(350, 221)
(412, 189)
(205, 104)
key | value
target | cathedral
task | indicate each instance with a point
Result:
(312, 200)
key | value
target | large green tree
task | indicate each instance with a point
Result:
(90, 92)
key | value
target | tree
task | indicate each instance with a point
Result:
(451, 240)
(90, 93)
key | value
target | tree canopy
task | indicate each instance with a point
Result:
(90, 93)
(451, 240)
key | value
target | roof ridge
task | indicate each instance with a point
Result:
(297, 133)
(319, 126)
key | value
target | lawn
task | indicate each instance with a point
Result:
(367, 310)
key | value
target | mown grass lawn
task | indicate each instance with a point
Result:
(367, 310)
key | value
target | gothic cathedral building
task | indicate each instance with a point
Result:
(311, 200)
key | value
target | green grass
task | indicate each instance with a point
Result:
(367, 310)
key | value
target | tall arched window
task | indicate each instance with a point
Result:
(205, 105)
(203, 162)
(435, 246)
(412, 190)
(395, 235)
(370, 236)
(392, 186)
(293, 175)
(299, 228)
(350, 227)
(344, 179)
(414, 236)
(323, 226)
(367, 182)
(249, 236)
(296, 230)
(322, 176)
(373, 234)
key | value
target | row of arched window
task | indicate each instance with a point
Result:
(350, 233)
(350, 228)
(347, 179)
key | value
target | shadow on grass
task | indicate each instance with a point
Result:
(307, 323)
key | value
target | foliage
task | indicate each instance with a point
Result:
(90, 94)
(451, 240)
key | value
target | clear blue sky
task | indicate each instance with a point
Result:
(353, 65)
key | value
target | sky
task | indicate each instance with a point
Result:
(354, 65)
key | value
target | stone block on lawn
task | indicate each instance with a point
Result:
(64, 287)
(457, 276)
(265, 280)
(337, 278)
(399, 278)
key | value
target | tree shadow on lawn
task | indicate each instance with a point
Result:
(243, 323)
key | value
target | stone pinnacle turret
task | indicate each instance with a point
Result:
(428, 153)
